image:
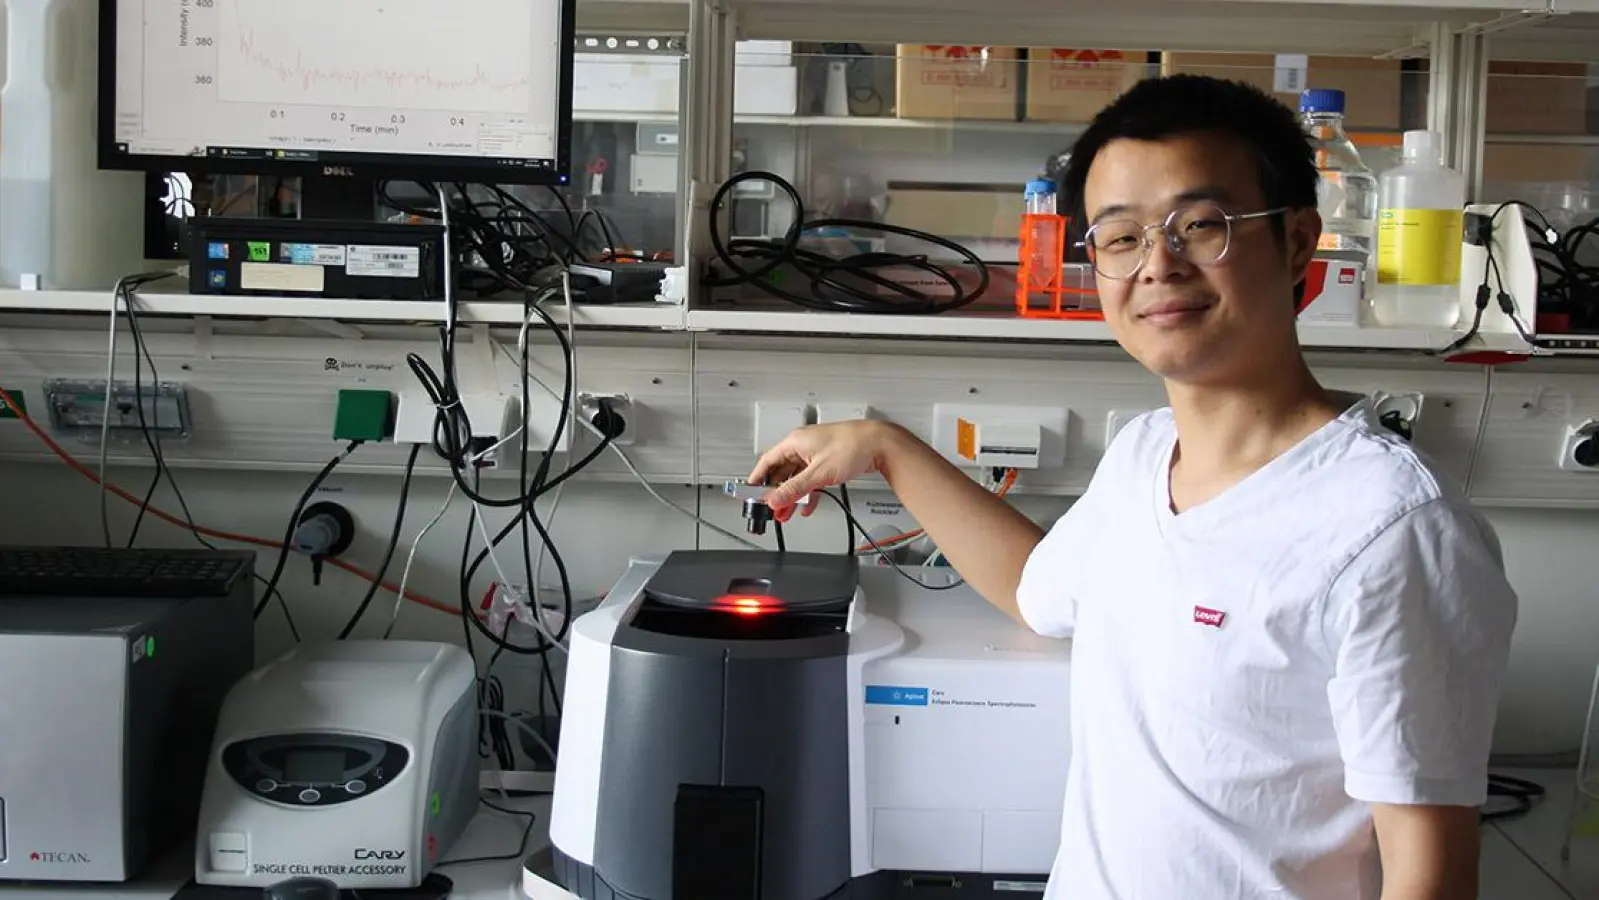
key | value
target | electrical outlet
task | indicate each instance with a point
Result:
(79, 408)
(543, 413)
(774, 419)
(1579, 452)
(957, 430)
(1116, 420)
(588, 406)
(1399, 413)
(841, 412)
(492, 418)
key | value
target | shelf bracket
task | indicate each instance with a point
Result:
(706, 150)
(1457, 96)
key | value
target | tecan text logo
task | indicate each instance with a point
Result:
(51, 856)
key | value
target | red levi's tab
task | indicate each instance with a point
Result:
(1211, 617)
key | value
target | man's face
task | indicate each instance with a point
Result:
(1187, 321)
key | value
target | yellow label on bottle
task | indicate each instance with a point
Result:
(1419, 246)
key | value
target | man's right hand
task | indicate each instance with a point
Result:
(817, 457)
(983, 537)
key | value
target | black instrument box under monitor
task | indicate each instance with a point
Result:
(308, 258)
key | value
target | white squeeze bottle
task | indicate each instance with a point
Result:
(1418, 239)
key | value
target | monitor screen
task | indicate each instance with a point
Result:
(472, 90)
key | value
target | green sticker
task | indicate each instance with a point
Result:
(434, 804)
(260, 251)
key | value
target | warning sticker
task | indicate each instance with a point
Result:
(383, 262)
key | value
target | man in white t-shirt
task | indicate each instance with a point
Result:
(1288, 632)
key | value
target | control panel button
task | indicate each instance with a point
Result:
(310, 795)
(356, 786)
(266, 786)
(229, 852)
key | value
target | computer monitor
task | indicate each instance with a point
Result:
(339, 93)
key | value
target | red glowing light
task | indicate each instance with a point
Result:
(745, 605)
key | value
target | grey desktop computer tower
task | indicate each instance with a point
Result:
(107, 708)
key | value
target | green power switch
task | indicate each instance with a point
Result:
(363, 415)
(17, 398)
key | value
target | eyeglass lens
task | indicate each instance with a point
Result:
(1198, 233)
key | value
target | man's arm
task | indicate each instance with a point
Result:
(1419, 626)
(1428, 852)
(986, 539)
(981, 534)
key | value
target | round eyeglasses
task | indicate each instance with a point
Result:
(1200, 233)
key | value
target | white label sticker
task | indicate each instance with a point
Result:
(1020, 887)
(383, 262)
(1293, 71)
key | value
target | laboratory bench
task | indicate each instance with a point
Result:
(1520, 858)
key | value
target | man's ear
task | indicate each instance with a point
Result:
(1304, 233)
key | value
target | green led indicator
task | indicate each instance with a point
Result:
(149, 647)
(434, 804)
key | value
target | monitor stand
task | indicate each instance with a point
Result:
(335, 198)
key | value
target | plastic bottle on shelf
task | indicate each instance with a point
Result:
(1418, 239)
(1347, 192)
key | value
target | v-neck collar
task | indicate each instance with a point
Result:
(1357, 406)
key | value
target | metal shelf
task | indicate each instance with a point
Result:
(1003, 327)
(657, 316)
(1051, 128)
(1358, 27)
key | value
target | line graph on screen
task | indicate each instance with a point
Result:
(386, 54)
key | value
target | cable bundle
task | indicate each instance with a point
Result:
(504, 244)
(854, 283)
(1566, 285)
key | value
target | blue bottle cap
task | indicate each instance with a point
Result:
(1039, 186)
(1322, 100)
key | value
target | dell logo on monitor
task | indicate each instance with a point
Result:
(338, 172)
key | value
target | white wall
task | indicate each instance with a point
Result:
(264, 407)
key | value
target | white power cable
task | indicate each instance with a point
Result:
(105, 409)
(526, 728)
(405, 576)
(643, 479)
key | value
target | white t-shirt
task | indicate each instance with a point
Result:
(1250, 675)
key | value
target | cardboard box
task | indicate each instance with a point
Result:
(1371, 86)
(957, 211)
(951, 82)
(1066, 85)
(1536, 98)
(1538, 163)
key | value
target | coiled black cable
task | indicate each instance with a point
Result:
(853, 283)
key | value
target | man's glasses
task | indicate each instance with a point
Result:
(1200, 233)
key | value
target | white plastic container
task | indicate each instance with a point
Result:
(1418, 239)
(63, 223)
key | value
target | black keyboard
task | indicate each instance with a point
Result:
(101, 572)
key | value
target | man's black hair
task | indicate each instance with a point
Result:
(1175, 105)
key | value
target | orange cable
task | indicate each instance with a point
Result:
(1004, 488)
(159, 513)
